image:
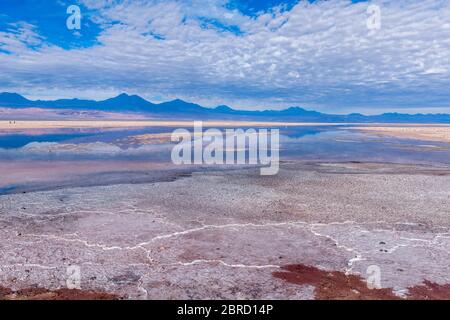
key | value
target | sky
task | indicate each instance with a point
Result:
(336, 56)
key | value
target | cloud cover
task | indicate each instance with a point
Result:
(319, 55)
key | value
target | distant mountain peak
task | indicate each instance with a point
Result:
(296, 109)
(179, 105)
(13, 98)
(126, 102)
(11, 95)
(223, 108)
(178, 102)
(127, 96)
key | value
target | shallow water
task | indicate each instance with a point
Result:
(315, 142)
(59, 158)
(13, 141)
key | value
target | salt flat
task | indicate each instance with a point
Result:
(422, 132)
(229, 234)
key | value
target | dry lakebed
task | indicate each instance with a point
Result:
(317, 230)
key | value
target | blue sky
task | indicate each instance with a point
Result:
(252, 54)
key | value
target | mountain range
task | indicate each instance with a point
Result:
(182, 109)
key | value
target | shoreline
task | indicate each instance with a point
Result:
(439, 133)
(63, 124)
(50, 124)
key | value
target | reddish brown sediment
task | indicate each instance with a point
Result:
(59, 294)
(429, 291)
(333, 285)
(4, 292)
(336, 285)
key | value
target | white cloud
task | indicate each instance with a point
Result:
(318, 55)
(19, 36)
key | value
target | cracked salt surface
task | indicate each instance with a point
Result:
(186, 238)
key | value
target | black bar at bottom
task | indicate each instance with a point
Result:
(221, 309)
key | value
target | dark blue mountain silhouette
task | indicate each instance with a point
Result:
(182, 109)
